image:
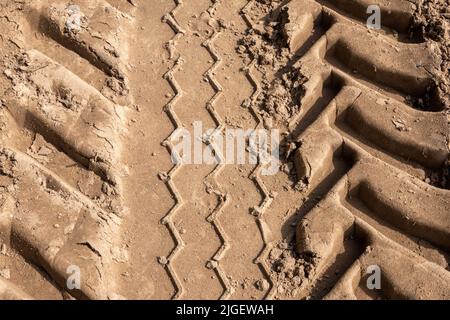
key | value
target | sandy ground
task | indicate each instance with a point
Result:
(92, 205)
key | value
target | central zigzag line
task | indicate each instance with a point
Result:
(259, 211)
(167, 177)
(223, 198)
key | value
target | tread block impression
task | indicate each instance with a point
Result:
(55, 226)
(396, 14)
(408, 205)
(393, 126)
(389, 124)
(405, 275)
(68, 112)
(348, 48)
(401, 66)
(93, 29)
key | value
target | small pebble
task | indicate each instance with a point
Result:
(262, 285)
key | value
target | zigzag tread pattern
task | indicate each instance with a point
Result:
(170, 19)
(267, 197)
(214, 186)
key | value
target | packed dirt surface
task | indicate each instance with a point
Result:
(94, 204)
